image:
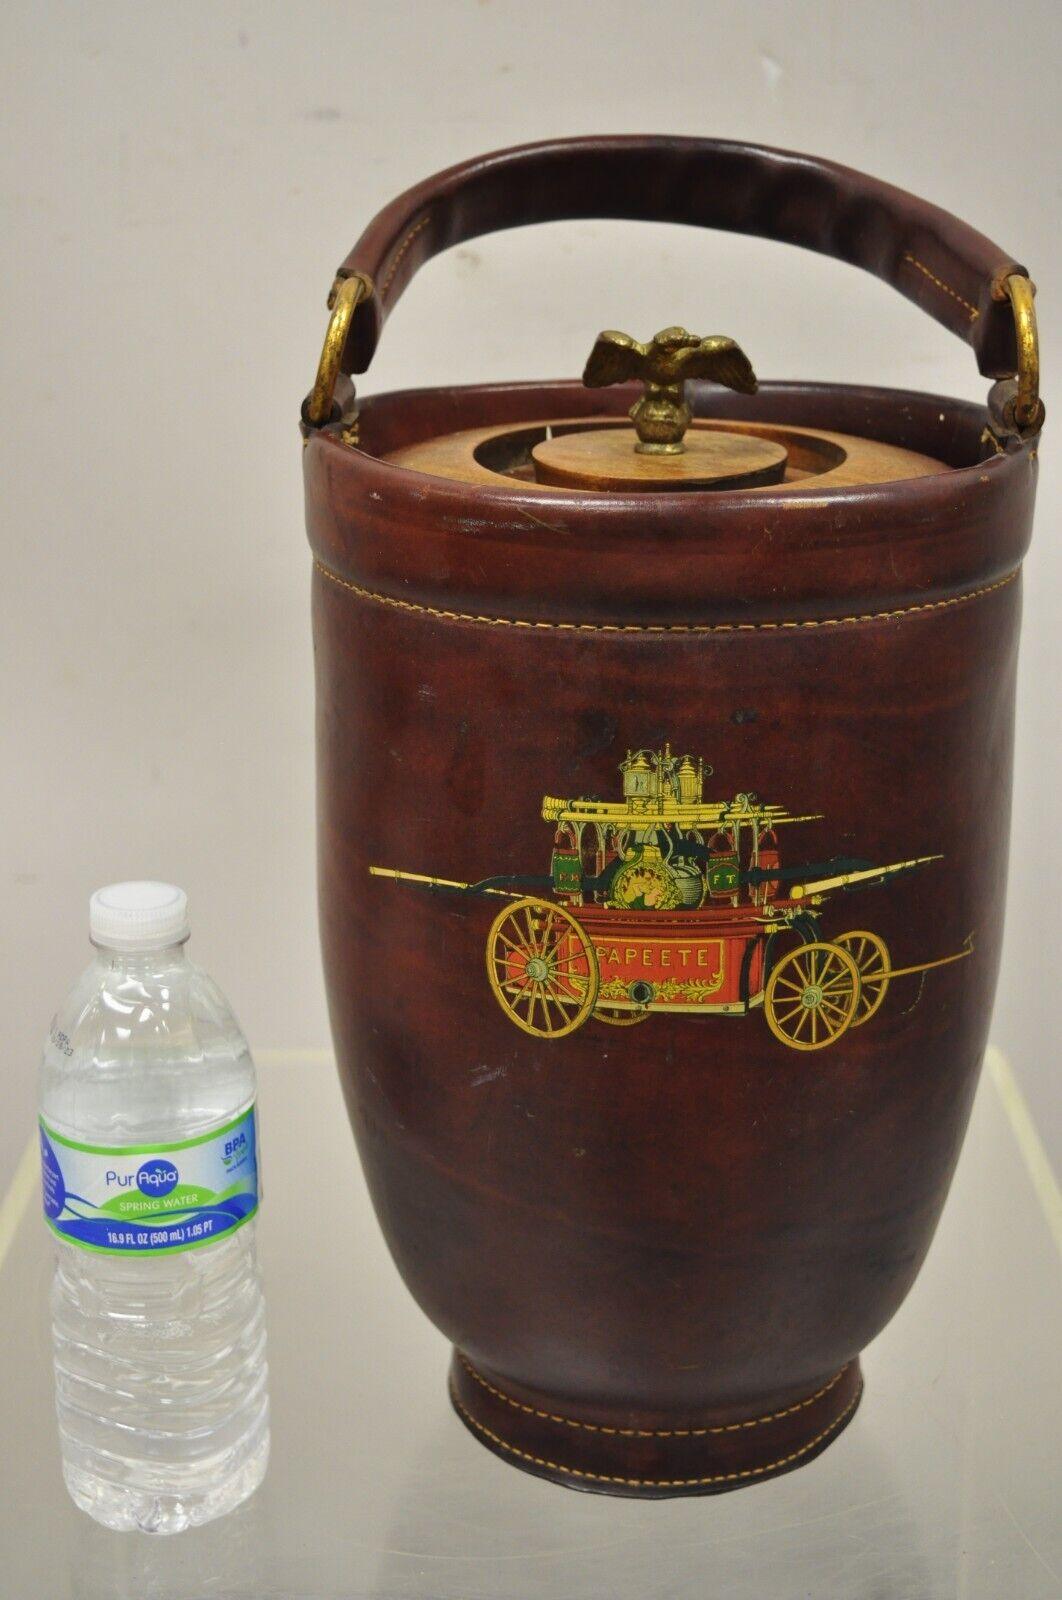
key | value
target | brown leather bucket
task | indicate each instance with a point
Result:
(659, 1072)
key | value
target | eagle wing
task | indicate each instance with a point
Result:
(719, 360)
(614, 358)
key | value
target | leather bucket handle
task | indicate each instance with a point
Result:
(946, 267)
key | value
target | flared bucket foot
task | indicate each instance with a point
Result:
(706, 1455)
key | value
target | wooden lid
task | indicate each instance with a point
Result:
(498, 456)
(597, 455)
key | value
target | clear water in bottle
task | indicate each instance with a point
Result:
(150, 1184)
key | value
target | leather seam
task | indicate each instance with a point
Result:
(660, 1483)
(403, 247)
(855, 619)
(650, 1433)
(947, 289)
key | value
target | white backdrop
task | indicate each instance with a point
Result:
(178, 184)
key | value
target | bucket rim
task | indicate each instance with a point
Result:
(962, 420)
(694, 558)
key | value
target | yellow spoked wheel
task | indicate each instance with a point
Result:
(542, 968)
(871, 956)
(812, 996)
(620, 1019)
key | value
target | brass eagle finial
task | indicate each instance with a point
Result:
(661, 415)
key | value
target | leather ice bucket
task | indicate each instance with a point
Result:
(663, 813)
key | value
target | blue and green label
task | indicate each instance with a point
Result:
(151, 1197)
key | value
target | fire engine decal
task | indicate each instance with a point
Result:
(662, 901)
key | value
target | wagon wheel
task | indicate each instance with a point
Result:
(812, 996)
(542, 968)
(871, 956)
(620, 1019)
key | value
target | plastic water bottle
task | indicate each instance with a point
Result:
(150, 1187)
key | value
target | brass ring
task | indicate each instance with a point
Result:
(347, 293)
(1027, 409)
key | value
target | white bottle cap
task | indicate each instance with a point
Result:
(138, 916)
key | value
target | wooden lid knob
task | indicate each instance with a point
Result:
(606, 458)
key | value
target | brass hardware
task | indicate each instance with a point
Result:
(1028, 411)
(346, 294)
(661, 416)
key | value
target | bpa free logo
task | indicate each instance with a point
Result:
(235, 1148)
(157, 1177)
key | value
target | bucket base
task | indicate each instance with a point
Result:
(694, 1457)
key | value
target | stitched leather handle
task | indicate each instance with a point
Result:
(943, 265)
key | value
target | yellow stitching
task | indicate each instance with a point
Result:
(650, 1433)
(972, 309)
(403, 247)
(661, 1483)
(660, 627)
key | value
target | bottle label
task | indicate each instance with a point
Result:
(151, 1197)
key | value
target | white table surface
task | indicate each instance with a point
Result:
(946, 1484)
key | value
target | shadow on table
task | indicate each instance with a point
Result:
(455, 1523)
(220, 1561)
(466, 1526)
